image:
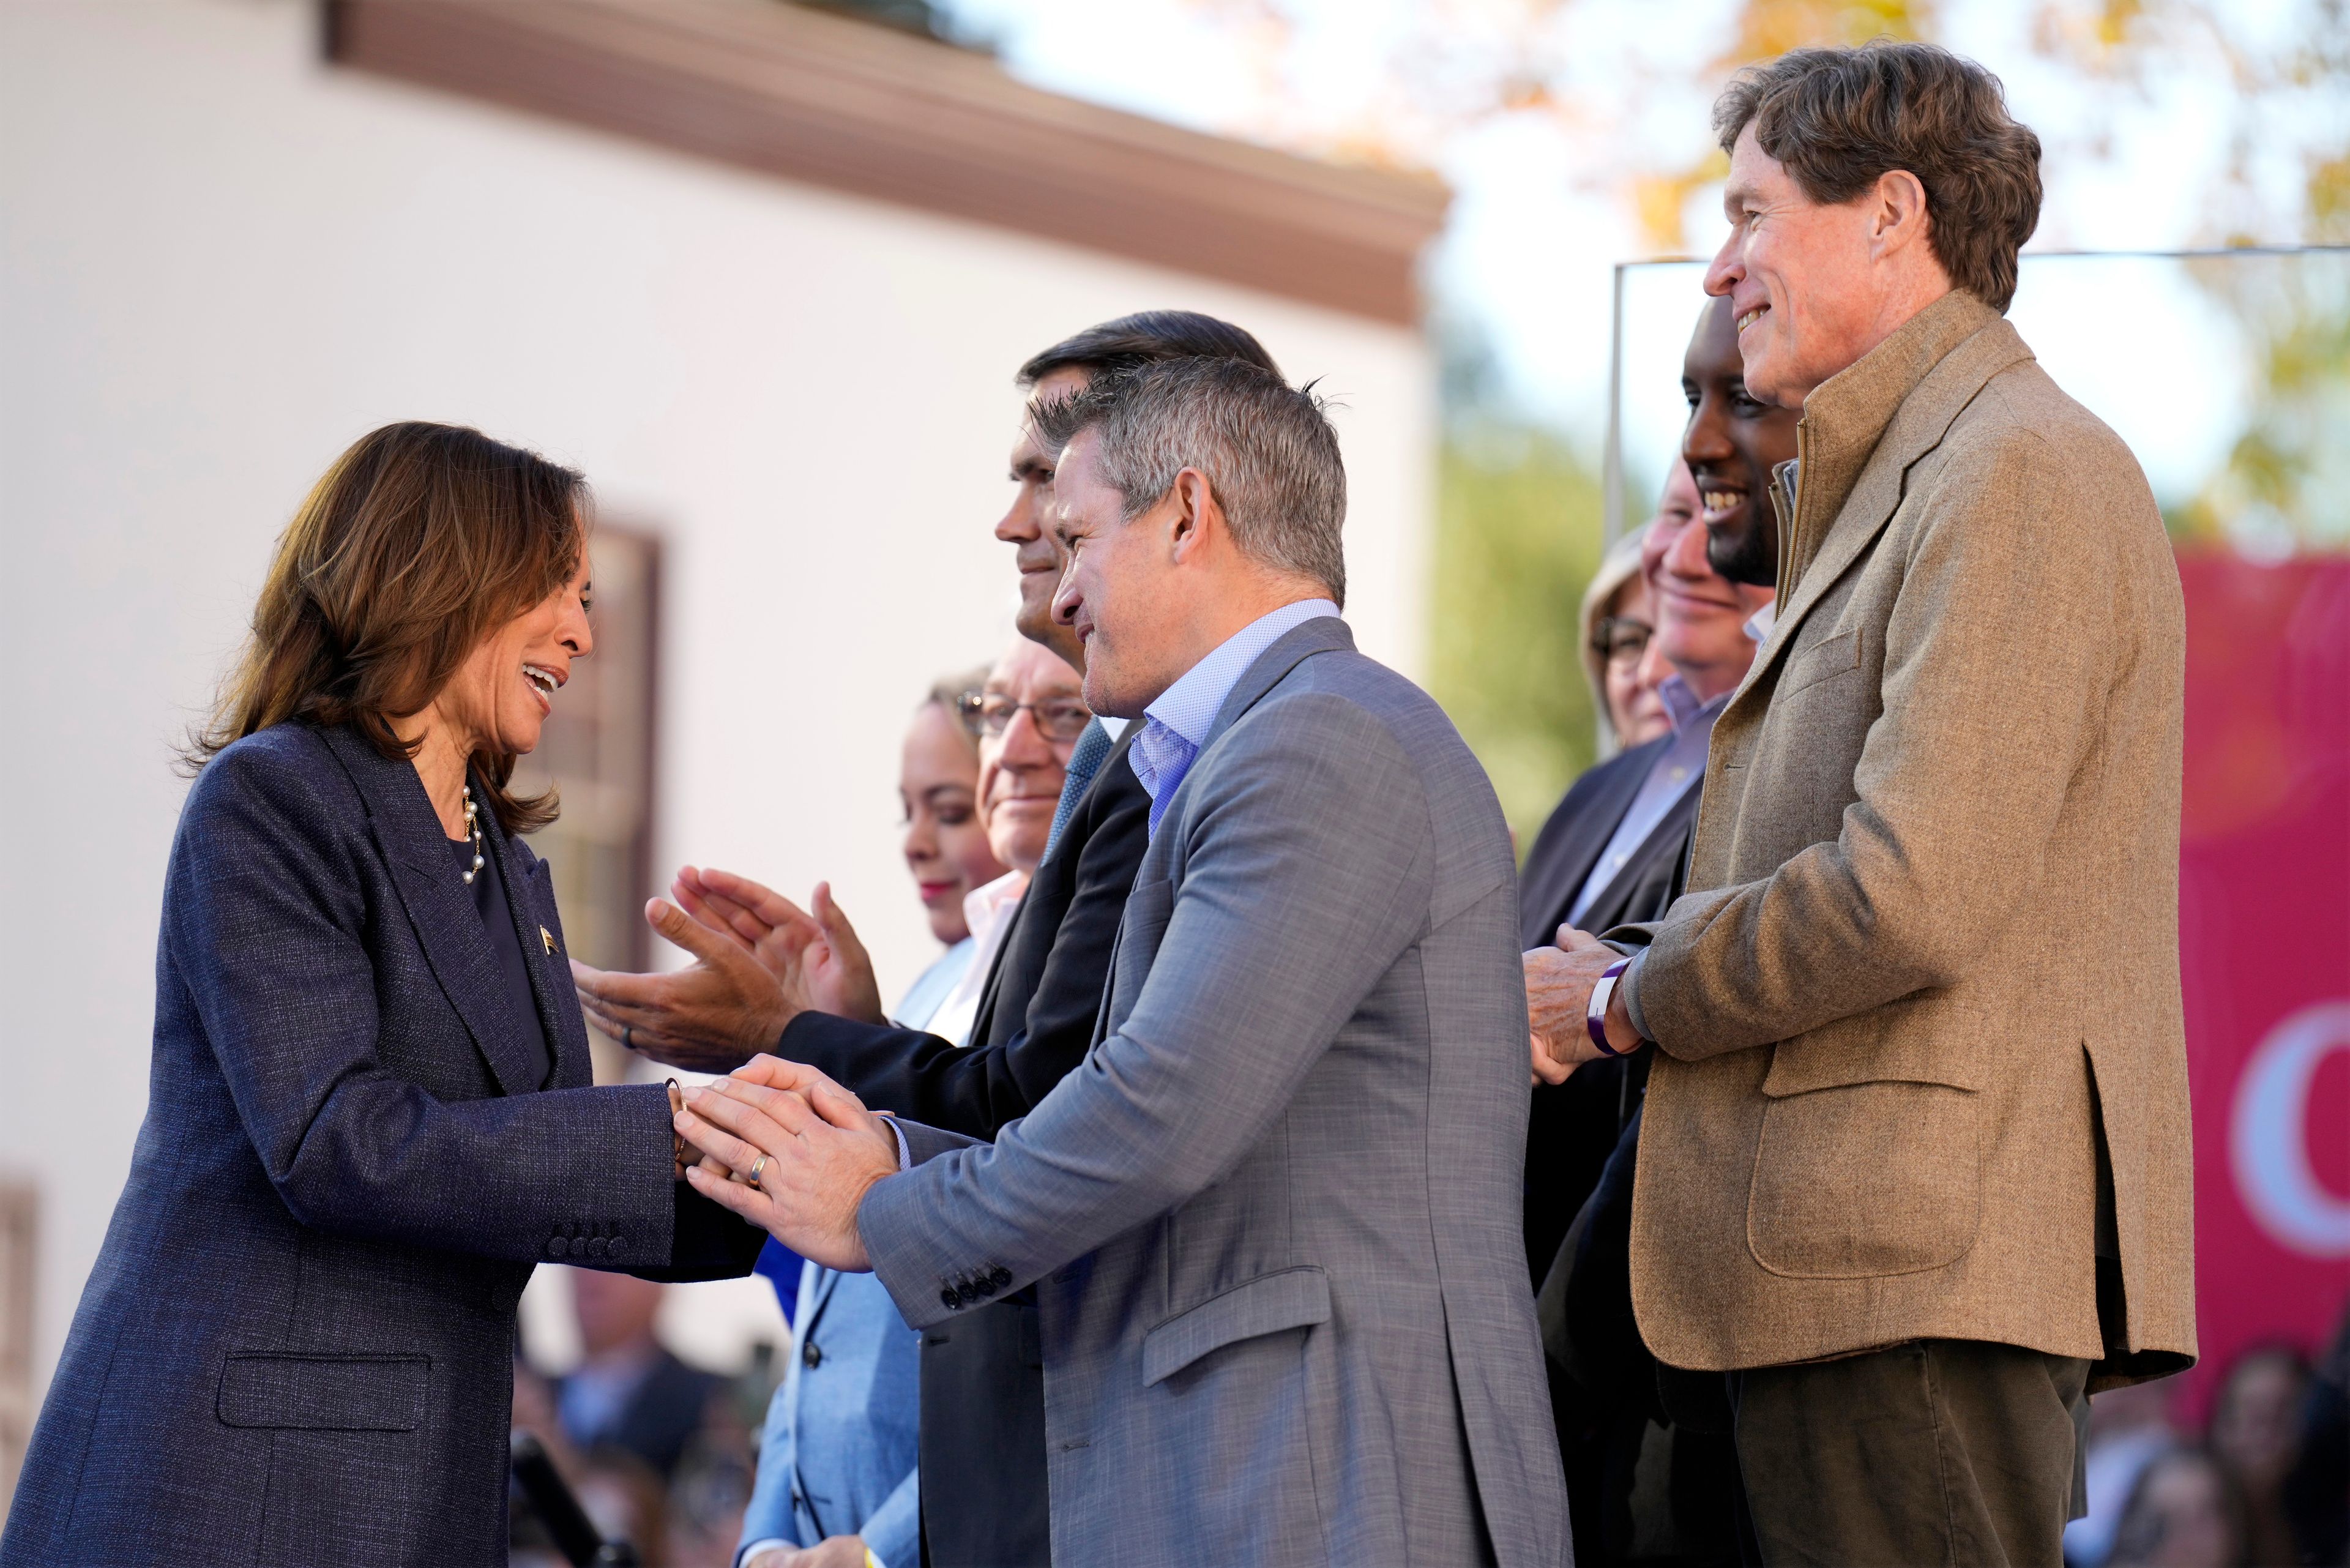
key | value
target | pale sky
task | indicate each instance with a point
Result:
(1538, 220)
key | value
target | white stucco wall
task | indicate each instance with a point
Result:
(223, 260)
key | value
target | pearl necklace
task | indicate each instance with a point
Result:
(472, 831)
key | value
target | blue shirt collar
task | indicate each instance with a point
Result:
(1190, 706)
(1683, 706)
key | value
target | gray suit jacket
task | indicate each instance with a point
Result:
(1273, 1219)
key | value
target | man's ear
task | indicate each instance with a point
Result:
(1195, 516)
(1901, 217)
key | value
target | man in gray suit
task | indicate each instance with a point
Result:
(1272, 1220)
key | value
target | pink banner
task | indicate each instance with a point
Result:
(2265, 936)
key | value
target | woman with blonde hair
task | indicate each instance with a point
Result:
(369, 1113)
(1617, 622)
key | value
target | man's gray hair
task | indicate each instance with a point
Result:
(1268, 452)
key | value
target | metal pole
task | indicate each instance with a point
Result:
(1611, 479)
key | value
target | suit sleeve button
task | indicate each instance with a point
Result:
(596, 1246)
(615, 1245)
(1001, 1277)
(950, 1298)
(556, 1247)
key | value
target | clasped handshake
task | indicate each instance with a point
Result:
(790, 1151)
(781, 1145)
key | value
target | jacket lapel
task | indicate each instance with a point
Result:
(530, 899)
(1062, 865)
(1323, 634)
(1564, 869)
(440, 906)
(1859, 440)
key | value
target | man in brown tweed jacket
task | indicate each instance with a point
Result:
(1914, 1172)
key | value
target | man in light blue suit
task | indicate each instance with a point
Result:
(837, 1460)
(1272, 1223)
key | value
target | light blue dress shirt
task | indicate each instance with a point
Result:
(839, 1454)
(1678, 769)
(1759, 629)
(1175, 726)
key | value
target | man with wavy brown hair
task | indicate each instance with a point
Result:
(1914, 1174)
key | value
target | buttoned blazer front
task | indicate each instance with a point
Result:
(1929, 956)
(1271, 1218)
(296, 1345)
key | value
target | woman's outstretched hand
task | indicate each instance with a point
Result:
(760, 961)
(708, 1017)
(815, 1146)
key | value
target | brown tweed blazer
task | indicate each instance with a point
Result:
(1932, 941)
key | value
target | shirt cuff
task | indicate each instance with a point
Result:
(1628, 988)
(756, 1547)
(904, 1150)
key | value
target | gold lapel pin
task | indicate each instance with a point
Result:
(548, 938)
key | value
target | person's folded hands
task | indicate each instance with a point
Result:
(806, 1152)
(1558, 994)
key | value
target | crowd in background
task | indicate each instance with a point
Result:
(2259, 1483)
(2266, 1480)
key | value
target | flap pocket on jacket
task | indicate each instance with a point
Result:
(325, 1393)
(1293, 1298)
(1868, 1161)
(1838, 655)
(1918, 1040)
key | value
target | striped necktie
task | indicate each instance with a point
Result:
(1084, 764)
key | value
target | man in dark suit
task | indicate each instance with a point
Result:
(984, 1493)
(1612, 853)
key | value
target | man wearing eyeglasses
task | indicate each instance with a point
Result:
(1029, 717)
(1612, 853)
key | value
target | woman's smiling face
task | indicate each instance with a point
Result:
(504, 692)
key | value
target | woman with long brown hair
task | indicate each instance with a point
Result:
(369, 1113)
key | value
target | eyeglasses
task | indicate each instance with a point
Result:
(990, 713)
(1620, 639)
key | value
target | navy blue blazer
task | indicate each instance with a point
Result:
(296, 1345)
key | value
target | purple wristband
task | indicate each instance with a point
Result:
(1594, 1017)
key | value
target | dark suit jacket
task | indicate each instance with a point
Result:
(296, 1345)
(1580, 1150)
(985, 1489)
(1575, 1124)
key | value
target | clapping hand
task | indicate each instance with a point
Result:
(815, 1147)
(816, 957)
(759, 963)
